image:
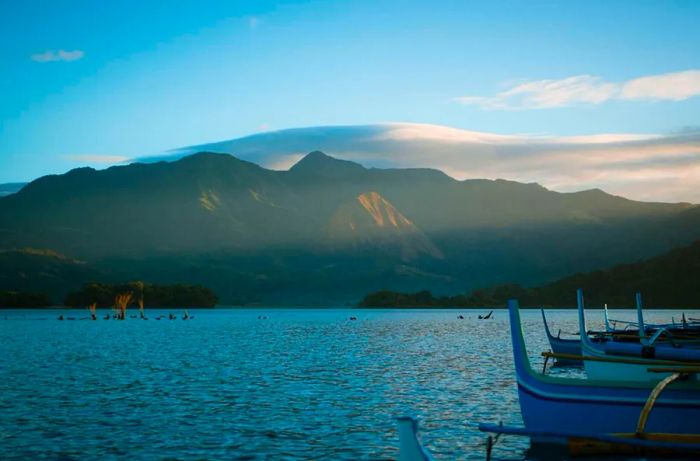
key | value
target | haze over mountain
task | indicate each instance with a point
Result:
(11, 188)
(325, 231)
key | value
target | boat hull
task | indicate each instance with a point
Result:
(567, 405)
(562, 346)
(611, 371)
(569, 414)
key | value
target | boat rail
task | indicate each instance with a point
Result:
(618, 359)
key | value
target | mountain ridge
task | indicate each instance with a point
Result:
(259, 234)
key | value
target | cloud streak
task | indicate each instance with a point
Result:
(589, 90)
(97, 158)
(670, 87)
(60, 55)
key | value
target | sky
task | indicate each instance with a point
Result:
(99, 83)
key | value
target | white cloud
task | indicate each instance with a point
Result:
(97, 158)
(675, 86)
(425, 132)
(60, 55)
(557, 93)
(607, 138)
(588, 89)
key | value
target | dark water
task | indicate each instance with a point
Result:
(301, 384)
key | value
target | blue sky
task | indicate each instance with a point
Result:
(90, 83)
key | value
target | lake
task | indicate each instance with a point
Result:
(299, 384)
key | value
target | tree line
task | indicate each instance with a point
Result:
(152, 295)
(106, 295)
(496, 297)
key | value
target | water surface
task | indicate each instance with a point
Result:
(299, 384)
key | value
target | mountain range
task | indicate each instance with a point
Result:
(619, 163)
(11, 188)
(325, 231)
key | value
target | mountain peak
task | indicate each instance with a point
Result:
(321, 164)
(317, 155)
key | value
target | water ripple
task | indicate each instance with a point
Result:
(301, 384)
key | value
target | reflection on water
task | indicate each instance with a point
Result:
(299, 384)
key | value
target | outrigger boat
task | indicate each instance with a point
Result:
(683, 338)
(591, 415)
(628, 353)
(615, 360)
(597, 416)
(548, 403)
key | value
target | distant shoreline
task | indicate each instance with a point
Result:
(71, 308)
(503, 308)
(355, 308)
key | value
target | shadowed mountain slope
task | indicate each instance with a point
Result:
(329, 230)
(669, 280)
